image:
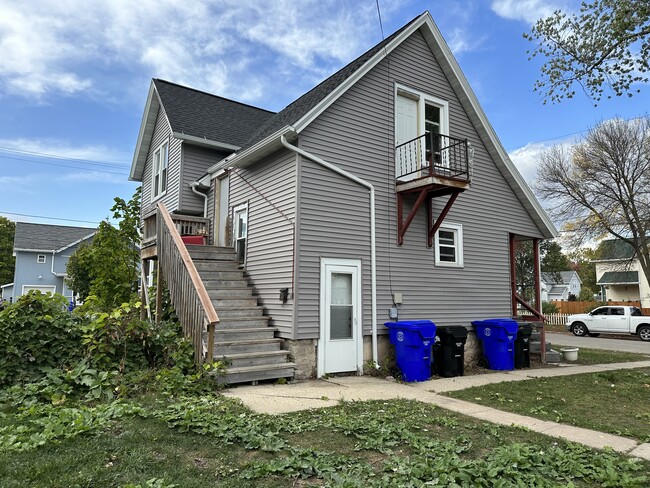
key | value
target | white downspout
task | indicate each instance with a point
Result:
(373, 248)
(205, 198)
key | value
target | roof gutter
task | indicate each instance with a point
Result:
(373, 249)
(195, 186)
(204, 141)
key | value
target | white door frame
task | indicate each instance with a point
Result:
(334, 264)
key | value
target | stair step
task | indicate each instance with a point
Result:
(253, 312)
(216, 289)
(245, 334)
(211, 252)
(242, 322)
(207, 265)
(210, 275)
(255, 359)
(257, 373)
(234, 302)
(226, 348)
(219, 284)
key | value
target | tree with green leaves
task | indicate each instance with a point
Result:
(601, 186)
(605, 46)
(552, 260)
(7, 259)
(108, 268)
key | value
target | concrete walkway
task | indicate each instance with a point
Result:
(634, 344)
(303, 395)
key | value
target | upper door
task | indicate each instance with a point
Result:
(407, 160)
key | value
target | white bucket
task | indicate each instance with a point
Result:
(570, 353)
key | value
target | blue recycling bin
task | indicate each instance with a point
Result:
(413, 340)
(498, 339)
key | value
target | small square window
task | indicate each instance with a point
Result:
(449, 246)
(40, 258)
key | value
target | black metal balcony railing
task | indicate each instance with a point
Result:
(433, 155)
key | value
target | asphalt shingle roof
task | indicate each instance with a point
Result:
(552, 277)
(44, 237)
(200, 114)
(619, 278)
(615, 249)
(300, 107)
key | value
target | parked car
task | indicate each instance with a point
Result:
(610, 320)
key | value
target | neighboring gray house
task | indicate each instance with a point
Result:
(558, 286)
(42, 252)
(619, 273)
(384, 190)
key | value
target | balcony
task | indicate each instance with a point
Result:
(185, 225)
(433, 160)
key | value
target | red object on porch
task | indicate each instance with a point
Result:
(195, 240)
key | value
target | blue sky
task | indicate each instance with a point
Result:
(74, 77)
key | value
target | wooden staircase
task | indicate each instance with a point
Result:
(242, 338)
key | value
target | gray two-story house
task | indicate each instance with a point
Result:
(381, 194)
(42, 252)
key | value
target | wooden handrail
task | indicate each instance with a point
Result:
(189, 296)
(524, 304)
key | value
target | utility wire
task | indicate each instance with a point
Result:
(96, 170)
(57, 156)
(49, 218)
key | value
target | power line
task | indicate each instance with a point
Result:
(64, 165)
(381, 25)
(57, 156)
(49, 218)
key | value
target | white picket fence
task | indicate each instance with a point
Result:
(556, 318)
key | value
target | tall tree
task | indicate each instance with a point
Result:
(601, 186)
(583, 263)
(108, 268)
(7, 260)
(604, 46)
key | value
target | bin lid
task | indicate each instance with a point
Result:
(510, 325)
(425, 327)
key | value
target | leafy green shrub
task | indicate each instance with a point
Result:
(549, 307)
(36, 333)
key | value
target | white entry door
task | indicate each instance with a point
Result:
(340, 348)
(407, 157)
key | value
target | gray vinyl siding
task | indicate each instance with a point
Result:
(269, 257)
(357, 134)
(171, 198)
(195, 163)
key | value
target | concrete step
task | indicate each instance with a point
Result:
(255, 358)
(241, 312)
(259, 373)
(234, 302)
(553, 356)
(535, 347)
(245, 334)
(226, 348)
(209, 275)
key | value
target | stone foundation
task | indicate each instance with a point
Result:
(303, 353)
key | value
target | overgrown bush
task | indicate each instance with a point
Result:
(549, 307)
(36, 333)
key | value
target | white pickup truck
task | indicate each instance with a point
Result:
(610, 320)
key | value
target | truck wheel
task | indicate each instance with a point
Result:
(594, 334)
(579, 329)
(644, 333)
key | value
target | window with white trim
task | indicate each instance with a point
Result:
(240, 231)
(449, 245)
(159, 177)
(40, 259)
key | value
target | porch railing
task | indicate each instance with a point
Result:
(187, 292)
(184, 224)
(433, 155)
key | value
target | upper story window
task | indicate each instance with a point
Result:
(449, 245)
(40, 258)
(159, 178)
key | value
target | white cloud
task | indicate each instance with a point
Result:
(74, 46)
(527, 10)
(526, 158)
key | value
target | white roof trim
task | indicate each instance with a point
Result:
(205, 142)
(33, 250)
(75, 242)
(152, 104)
(7, 285)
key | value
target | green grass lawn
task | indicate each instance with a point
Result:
(617, 402)
(213, 441)
(600, 356)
